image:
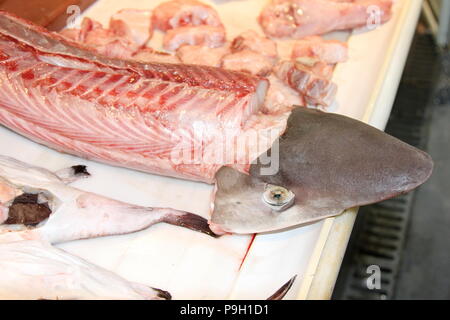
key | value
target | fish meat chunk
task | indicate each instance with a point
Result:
(181, 13)
(129, 30)
(132, 24)
(200, 55)
(316, 90)
(33, 270)
(189, 22)
(281, 97)
(248, 61)
(208, 36)
(251, 53)
(73, 214)
(301, 18)
(253, 41)
(311, 50)
(150, 55)
(140, 116)
(101, 40)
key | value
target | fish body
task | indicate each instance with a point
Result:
(302, 18)
(124, 113)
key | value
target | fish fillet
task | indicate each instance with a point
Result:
(140, 116)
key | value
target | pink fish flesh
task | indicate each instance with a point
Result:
(120, 112)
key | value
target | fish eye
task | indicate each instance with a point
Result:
(277, 198)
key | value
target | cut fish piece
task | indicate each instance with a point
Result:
(152, 117)
(129, 30)
(248, 61)
(301, 18)
(104, 41)
(181, 13)
(207, 36)
(200, 55)
(311, 50)
(315, 89)
(281, 97)
(250, 40)
(150, 55)
(132, 24)
(251, 53)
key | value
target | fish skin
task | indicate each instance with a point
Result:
(331, 163)
(314, 88)
(32, 269)
(124, 113)
(77, 214)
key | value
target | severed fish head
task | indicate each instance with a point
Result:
(324, 164)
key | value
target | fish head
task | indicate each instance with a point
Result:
(322, 165)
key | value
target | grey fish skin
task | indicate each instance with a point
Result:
(331, 163)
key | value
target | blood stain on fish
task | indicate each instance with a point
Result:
(248, 250)
(28, 75)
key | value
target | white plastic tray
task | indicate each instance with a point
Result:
(194, 266)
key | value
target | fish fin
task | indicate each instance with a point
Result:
(281, 293)
(73, 173)
(190, 221)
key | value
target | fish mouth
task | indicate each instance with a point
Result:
(325, 163)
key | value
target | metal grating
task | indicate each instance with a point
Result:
(380, 230)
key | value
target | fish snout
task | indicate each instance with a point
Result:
(325, 163)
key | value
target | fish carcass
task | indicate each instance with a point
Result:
(302, 18)
(32, 269)
(172, 119)
(52, 210)
(140, 116)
